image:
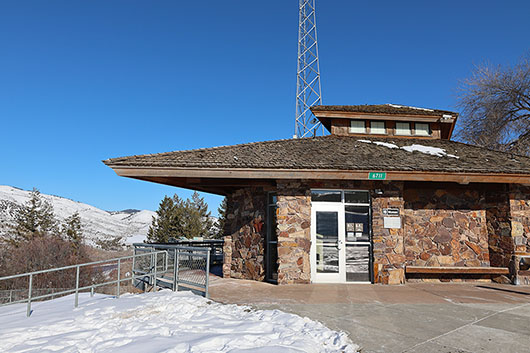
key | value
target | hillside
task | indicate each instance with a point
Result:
(98, 225)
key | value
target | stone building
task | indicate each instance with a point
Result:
(386, 197)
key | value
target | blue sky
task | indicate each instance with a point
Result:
(85, 81)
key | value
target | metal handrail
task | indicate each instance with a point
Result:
(170, 246)
(92, 286)
(177, 251)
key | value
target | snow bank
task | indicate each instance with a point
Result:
(160, 322)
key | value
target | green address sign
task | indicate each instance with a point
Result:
(377, 176)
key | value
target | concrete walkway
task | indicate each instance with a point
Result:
(421, 317)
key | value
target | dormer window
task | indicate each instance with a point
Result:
(386, 120)
(358, 127)
(422, 129)
(402, 128)
(377, 127)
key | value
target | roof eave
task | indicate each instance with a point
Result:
(330, 114)
(316, 174)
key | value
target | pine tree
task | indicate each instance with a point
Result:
(72, 230)
(199, 222)
(35, 218)
(221, 221)
(177, 218)
(168, 222)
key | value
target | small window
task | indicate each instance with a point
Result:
(326, 195)
(358, 127)
(422, 129)
(377, 127)
(356, 197)
(402, 128)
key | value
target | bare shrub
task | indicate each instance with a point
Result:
(43, 253)
(495, 104)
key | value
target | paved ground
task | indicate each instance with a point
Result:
(420, 317)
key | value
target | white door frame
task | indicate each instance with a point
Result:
(339, 277)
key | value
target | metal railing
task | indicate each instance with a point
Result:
(153, 272)
(188, 267)
(11, 295)
(215, 245)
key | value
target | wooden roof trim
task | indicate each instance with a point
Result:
(452, 128)
(382, 116)
(324, 174)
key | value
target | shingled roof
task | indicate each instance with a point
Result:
(339, 153)
(393, 109)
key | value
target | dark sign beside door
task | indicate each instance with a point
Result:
(391, 212)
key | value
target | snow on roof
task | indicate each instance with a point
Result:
(435, 151)
(409, 107)
(380, 143)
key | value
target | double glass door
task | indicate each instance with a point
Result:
(340, 241)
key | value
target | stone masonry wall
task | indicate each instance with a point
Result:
(244, 245)
(388, 244)
(446, 227)
(293, 229)
(227, 256)
(520, 217)
(519, 197)
(498, 219)
(442, 225)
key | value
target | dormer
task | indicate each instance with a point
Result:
(386, 120)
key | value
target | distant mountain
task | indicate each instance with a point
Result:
(98, 225)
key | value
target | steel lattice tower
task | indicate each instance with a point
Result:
(308, 89)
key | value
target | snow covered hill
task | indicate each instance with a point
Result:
(131, 225)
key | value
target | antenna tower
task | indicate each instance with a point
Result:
(308, 89)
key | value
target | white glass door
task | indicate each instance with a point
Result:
(341, 246)
(328, 256)
(358, 246)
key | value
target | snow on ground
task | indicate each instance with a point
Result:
(135, 239)
(160, 322)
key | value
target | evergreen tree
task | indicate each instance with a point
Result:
(72, 230)
(198, 221)
(177, 218)
(168, 222)
(35, 218)
(38, 245)
(221, 221)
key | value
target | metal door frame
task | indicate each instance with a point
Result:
(339, 277)
(319, 206)
(268, 241)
